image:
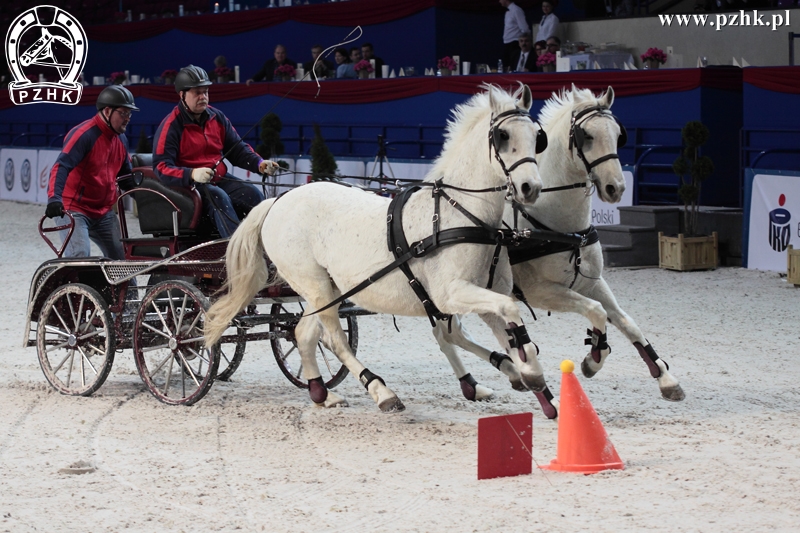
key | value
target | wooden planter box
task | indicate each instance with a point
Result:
(688, 253)
(793, 266)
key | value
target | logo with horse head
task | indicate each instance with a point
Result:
(45, 40)
(779, 231)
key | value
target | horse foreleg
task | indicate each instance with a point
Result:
(557, 297)
(307, 334)
(659, 369)
(450, 335)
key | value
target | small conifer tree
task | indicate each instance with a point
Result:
(271, 145)
(695, 134)
(323, 165)
(144, 146)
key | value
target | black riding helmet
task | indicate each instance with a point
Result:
(115, 96)
(189, 77)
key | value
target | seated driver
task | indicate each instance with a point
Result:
(188, 148)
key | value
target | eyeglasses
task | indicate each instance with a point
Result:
(124, 114)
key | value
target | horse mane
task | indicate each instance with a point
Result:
(469, 115)
(558, 109)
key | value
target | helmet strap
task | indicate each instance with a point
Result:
(107, 119)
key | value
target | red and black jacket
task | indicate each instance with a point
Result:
(181, 144)
(84, 177)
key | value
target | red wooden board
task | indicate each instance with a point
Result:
(505, 444)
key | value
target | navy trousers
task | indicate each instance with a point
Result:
(228, 201)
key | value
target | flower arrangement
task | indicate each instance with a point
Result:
(285, 70)
(223, 72)
(363, 65)
(117, 77)
(654, 54)
(546, 59)
(446, 62)
(169, 73)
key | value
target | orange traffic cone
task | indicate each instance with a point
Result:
(583, 444)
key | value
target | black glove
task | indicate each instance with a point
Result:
(54, 209)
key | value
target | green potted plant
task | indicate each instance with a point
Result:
(271, 144)
(690, 251)
(144, 145)
(323, 165)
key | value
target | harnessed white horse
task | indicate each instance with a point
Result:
(581, 157)
(326, 239)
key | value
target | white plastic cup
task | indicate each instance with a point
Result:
(465, 66)
(135, 78)
(385, 71)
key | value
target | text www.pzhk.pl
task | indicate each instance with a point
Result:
(741, 18)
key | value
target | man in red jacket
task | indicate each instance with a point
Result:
(83, 180)
(188, 148)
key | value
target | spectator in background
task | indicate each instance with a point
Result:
(514, 25)
(267, 72)
(548, 27)
(188, 149)
(83, 180)
(220, 61)
(553, 45)
(369, 53)
(324, 68)
(525, 59)
(346, 70)
(540, 47)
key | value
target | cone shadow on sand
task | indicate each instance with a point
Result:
(583, 444)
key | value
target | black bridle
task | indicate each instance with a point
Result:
(496, 137)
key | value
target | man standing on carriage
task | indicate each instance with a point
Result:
(83, 180)
(188, 149)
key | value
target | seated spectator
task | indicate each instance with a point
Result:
(525, 59)
(324, 68)
(548, 27)
(346, 70)
(220, 61)
(369, 53)
(540, 47)
(553, 45)
(267, 72)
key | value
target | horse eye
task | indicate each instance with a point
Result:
(503, 135)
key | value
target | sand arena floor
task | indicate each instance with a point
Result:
(256, 455)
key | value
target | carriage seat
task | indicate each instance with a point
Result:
(155, 213)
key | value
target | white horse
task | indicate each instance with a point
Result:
(325, 239)
(582, 156)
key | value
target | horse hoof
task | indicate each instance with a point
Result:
(483, 393)
(673, 394)
(392, 405)
(586, 369)
(549, 408)
(534, 383)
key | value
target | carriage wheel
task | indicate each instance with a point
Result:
(231, 352)
(288, 356)
(75, 340)
(168, 344)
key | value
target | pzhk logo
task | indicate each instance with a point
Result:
(779, 231)
(45, 40)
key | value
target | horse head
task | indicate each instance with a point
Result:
(595, 135)
(514, 141)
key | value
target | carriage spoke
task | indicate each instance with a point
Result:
(169, 373)
(183, 310)
(153, 348)
(61, 319)
(192, 340)
(72, 312)
(299, 370)
(55, 330)
(85, 358)
(95, 349)
(199, 355)
(287, 354)
(58, 367)
(156, 330)
(160, 317)
(71, 366)
(88, 321)
(172, 310)
(161, 364)
(92, 334)
(194, 322)
(79, 313)
(187, 370)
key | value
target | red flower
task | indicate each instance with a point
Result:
(363, 65)
(446, 62)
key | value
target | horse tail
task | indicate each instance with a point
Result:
(247, 272)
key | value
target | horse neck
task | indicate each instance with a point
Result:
(460, 167)
(569, 210)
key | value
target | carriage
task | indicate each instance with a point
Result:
(82, 311)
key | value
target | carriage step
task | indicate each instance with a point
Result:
(249, 321)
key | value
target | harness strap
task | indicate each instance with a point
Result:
(519, 295)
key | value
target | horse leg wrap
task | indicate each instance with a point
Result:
(598, 342)
(317, 390)
(649, 356)
(546, 401)
(518, 336)
(497, 359)
(368, 377)
(468, 387)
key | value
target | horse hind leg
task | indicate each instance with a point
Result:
(596, 357)
(451, 334)
(386, 399)
(307, 334)
(659, 369)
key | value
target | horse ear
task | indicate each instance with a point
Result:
(608, 98)
(526, 100)
(577, 95)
